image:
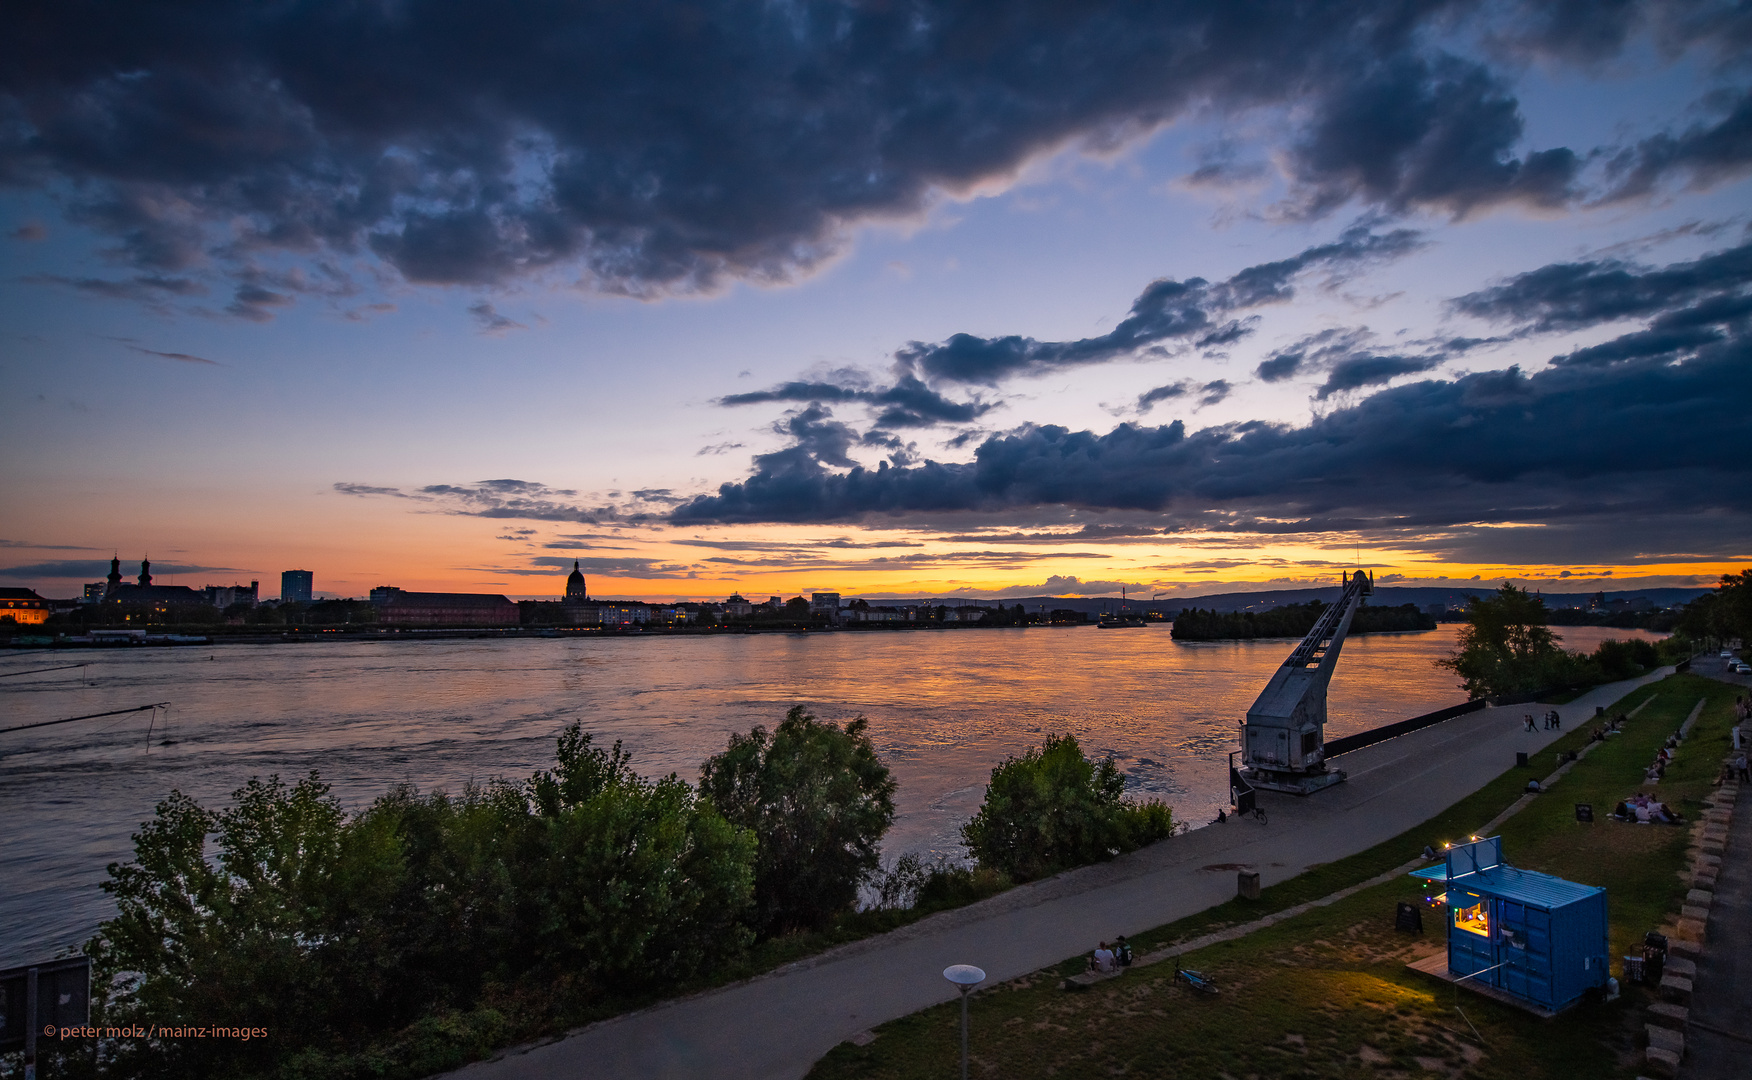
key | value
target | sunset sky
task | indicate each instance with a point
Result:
(884, 298)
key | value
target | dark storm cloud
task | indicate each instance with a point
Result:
(1166, 311)
(817, 436)
(1577, 440)
(524, 499)
(1107, 534)
(1355, 372)
(907, 403)
(1570, 296)
(649, 148)
(1415, 132)
(1279, 366)
(1171, 392)
(1704, 154)
(1208, 394)
(1349, 360)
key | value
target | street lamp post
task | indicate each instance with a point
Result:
(965, 977)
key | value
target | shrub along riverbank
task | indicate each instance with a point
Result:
(428, 929)
(1326, 993)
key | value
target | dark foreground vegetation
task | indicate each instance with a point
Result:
(429, 929)
(1292, 620)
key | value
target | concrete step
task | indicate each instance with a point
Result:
(1661, 1062)
(1676, 988)
(1662, 1038)
(1668, 1015)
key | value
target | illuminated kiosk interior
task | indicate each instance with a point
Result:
(1534, 939)
(1283, 743)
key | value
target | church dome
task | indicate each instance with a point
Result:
(575, 582)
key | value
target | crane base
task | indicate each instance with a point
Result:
(1292, 783)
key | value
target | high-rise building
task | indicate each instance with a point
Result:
(295, 586)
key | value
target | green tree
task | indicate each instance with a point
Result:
(1052, 809)
(1505, 647)
(1720, 616)
(819, 799)
(636, 880)
(232, 940)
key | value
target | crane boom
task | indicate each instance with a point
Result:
(1283, 743)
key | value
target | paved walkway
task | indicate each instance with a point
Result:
(776, 1026)
(1718, 1040)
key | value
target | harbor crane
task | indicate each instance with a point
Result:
(1283, 743)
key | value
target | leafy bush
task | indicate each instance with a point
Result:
(819, 800)
(913, 885)
(1616, 660)
(1052, 809)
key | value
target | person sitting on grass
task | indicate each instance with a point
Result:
(1122, 952)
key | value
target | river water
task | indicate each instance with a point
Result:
(944, 708)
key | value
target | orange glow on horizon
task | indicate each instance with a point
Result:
(354, 545)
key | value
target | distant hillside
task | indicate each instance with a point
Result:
(1385, 596)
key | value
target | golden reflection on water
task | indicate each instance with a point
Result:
(944, 706)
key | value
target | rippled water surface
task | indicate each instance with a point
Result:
(944, 707)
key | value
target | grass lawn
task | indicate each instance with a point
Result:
(1326, 993)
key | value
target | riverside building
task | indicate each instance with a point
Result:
(398, 607)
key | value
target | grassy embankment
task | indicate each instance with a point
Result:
(1326, 993)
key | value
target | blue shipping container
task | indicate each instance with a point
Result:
(1537, 937)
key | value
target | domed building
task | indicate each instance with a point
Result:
(577, 609)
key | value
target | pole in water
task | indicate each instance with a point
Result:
(965, 977)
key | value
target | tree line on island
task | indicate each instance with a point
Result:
(429, 929)
(1292, 620)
